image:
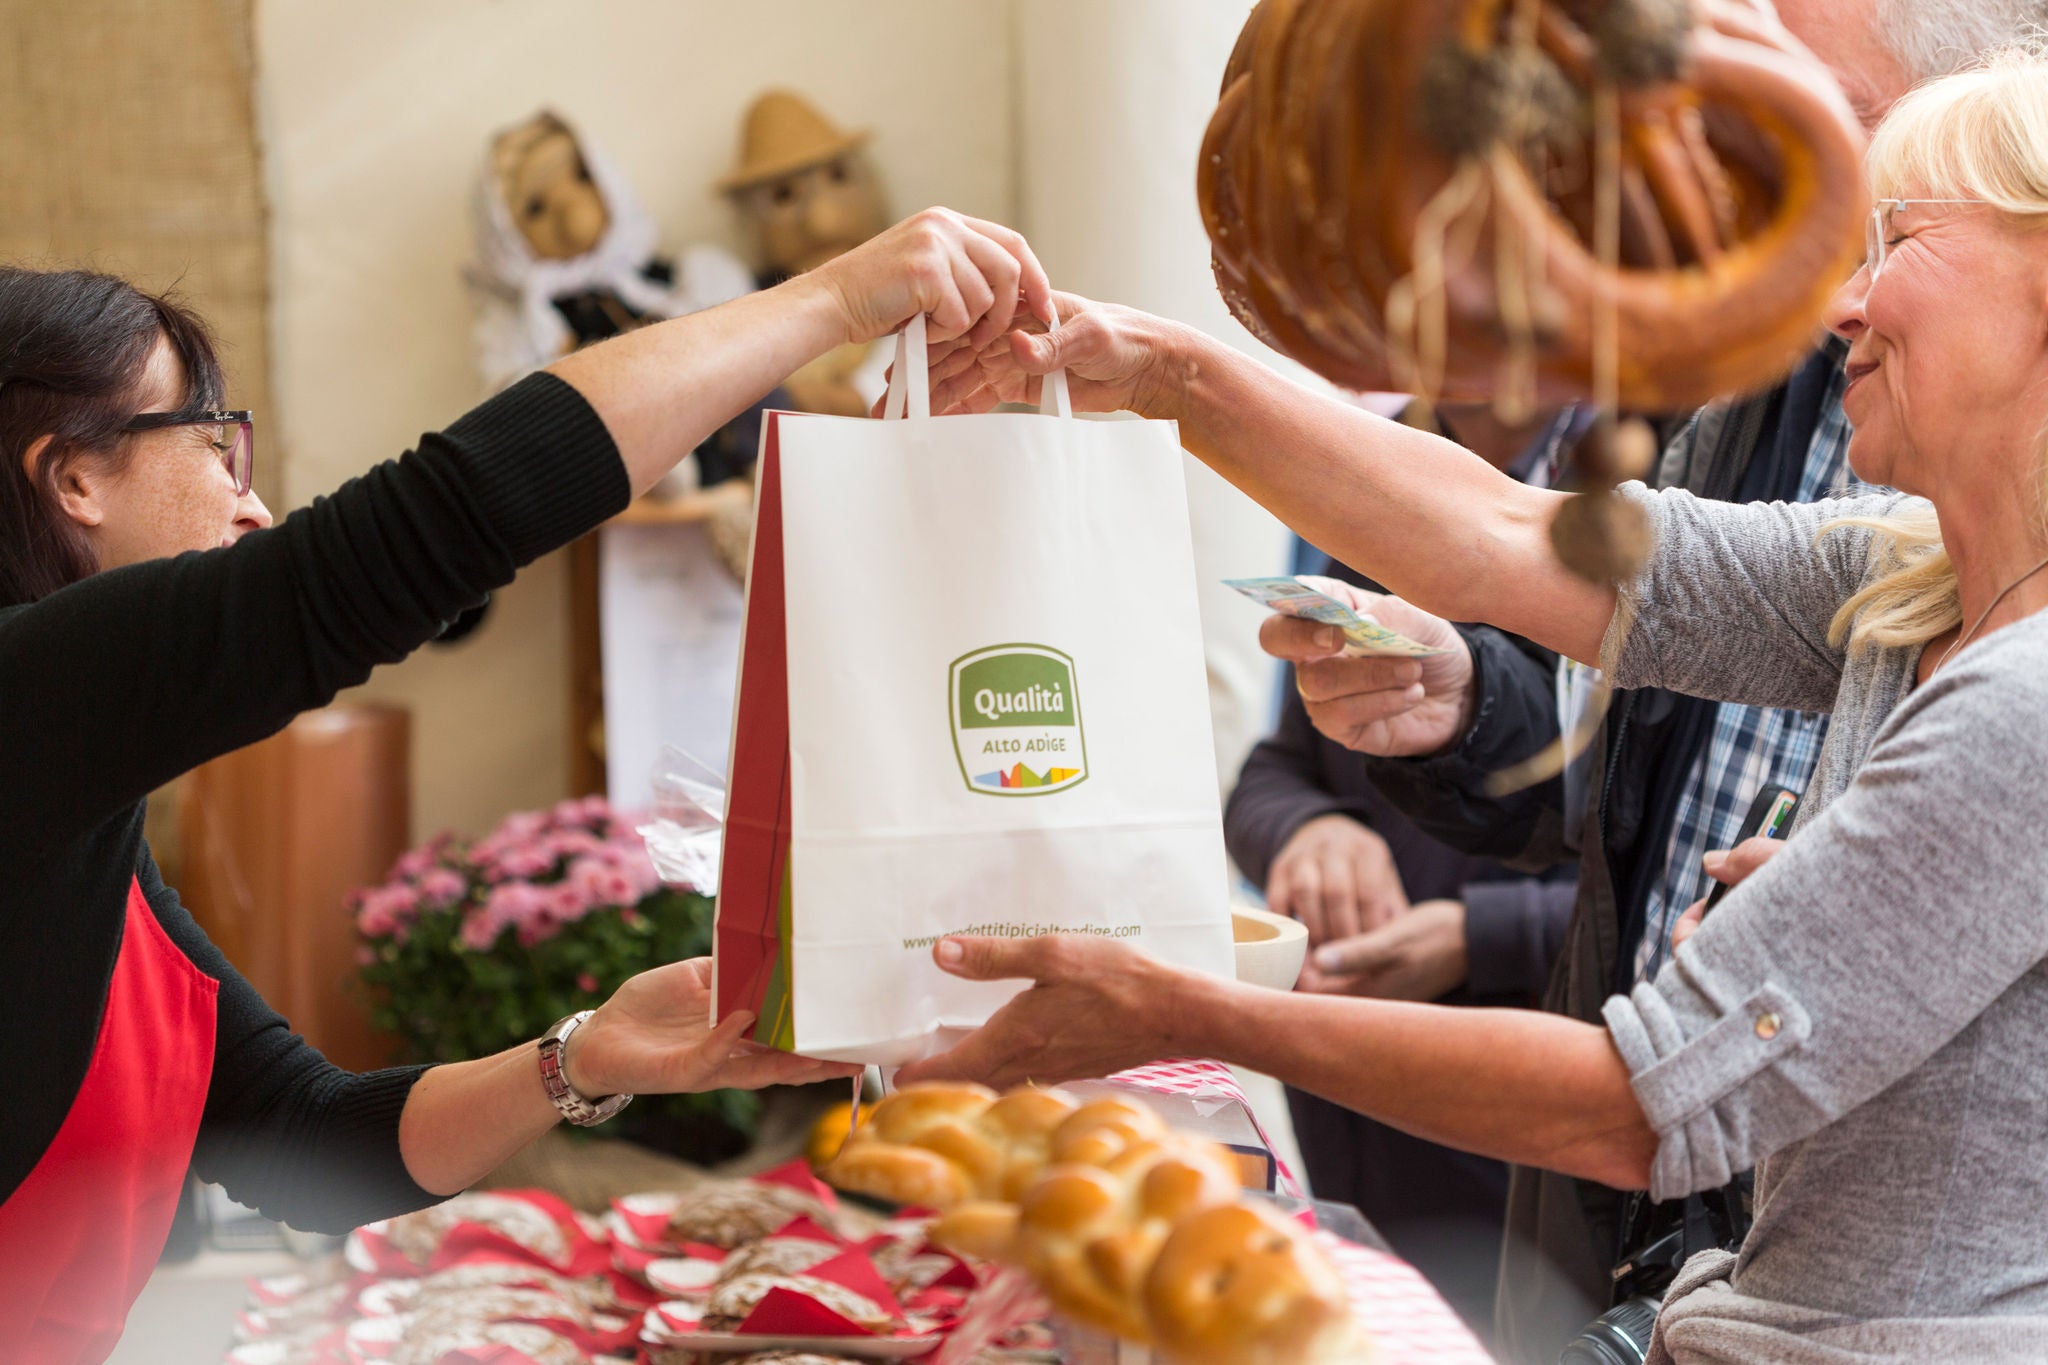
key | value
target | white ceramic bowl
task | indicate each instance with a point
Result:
(1270, 947)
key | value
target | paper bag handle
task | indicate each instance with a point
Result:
(910, 379)
(910, 383)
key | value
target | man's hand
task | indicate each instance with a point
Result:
(653, 1038)
(1418, 956)
(1390, 708)
(1730, 866)
(1337, 877)
(1095, 1007)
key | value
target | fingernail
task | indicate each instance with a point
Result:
(1408, 673)
(1329, 960)
(1713, 859)
(1414, 695)
(1326, 638)
(951, 954)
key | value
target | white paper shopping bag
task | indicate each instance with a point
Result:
(972, 700)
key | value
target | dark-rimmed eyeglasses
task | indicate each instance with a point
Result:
(232, 434)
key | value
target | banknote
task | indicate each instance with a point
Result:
(1363, 636)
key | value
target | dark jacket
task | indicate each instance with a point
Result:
(1440, 1209)
(1631, 775)
(1514, 923)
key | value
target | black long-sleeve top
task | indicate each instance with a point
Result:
(116, 684)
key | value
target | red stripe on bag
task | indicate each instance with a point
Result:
(757, 801)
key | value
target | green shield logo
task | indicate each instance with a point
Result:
(1017, 721)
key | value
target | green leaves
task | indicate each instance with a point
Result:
(452, 1003)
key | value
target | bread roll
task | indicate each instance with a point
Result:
(1096, 1132)
(1240, 1285)
(938, 1146)
(1143, 1232)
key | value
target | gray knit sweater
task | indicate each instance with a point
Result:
(1865, 1020)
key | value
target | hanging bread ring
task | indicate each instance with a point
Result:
(1408, 194)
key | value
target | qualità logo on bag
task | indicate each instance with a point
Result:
(1017, 721)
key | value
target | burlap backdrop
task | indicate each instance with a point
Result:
(128, 144)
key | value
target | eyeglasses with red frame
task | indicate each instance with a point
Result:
(233, 436)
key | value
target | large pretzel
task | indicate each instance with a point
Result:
(1408, 194)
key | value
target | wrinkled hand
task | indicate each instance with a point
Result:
(967, 274)
(1416, 956)
(1095, 1007)
(1337, 877)
(1730, 866)
(1117, 360)
(654, 1037)
(1391, 708)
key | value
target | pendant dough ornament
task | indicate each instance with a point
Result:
(1533, 201)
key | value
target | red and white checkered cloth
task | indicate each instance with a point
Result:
(1407, 1319)
(1206, 1080)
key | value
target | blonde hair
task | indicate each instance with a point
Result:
(1979, 134)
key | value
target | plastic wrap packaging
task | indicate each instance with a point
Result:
(687, 831)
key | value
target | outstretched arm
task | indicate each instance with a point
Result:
(653, 1037)
(116, 684)
(662, 390)
(1432, 522)
(1536, 1089)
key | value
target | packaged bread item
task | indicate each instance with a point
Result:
(734, 1300)
(722, 1213)
(528, 1226)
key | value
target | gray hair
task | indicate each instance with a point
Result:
(1933, 38)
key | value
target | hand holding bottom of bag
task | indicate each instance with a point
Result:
(653, 1037)
(1095, 1007)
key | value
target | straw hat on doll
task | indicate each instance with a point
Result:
(785, 133)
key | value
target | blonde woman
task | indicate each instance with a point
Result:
(1866, 1018)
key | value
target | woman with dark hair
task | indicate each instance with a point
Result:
(150, 619)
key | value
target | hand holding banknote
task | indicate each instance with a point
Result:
(1389, 707)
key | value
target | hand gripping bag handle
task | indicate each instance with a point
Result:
(910, 392)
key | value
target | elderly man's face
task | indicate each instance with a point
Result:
(1844, 35)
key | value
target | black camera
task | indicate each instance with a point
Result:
(1658, 1239)
(1620, 1336)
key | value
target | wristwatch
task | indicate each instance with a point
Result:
(584, 1113)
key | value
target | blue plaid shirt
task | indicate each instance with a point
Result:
(1750, 746)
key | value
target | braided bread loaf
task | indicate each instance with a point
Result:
(939, 1145)
(1403, 194)
(1123, 1224)
(1157, 1246)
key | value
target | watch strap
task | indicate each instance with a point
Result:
(575, 1107)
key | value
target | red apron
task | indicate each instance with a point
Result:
(82, 1233)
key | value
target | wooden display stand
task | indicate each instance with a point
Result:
(274, 838)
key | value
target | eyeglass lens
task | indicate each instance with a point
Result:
(232, 440)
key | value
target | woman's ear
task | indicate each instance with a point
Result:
(80, 488)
